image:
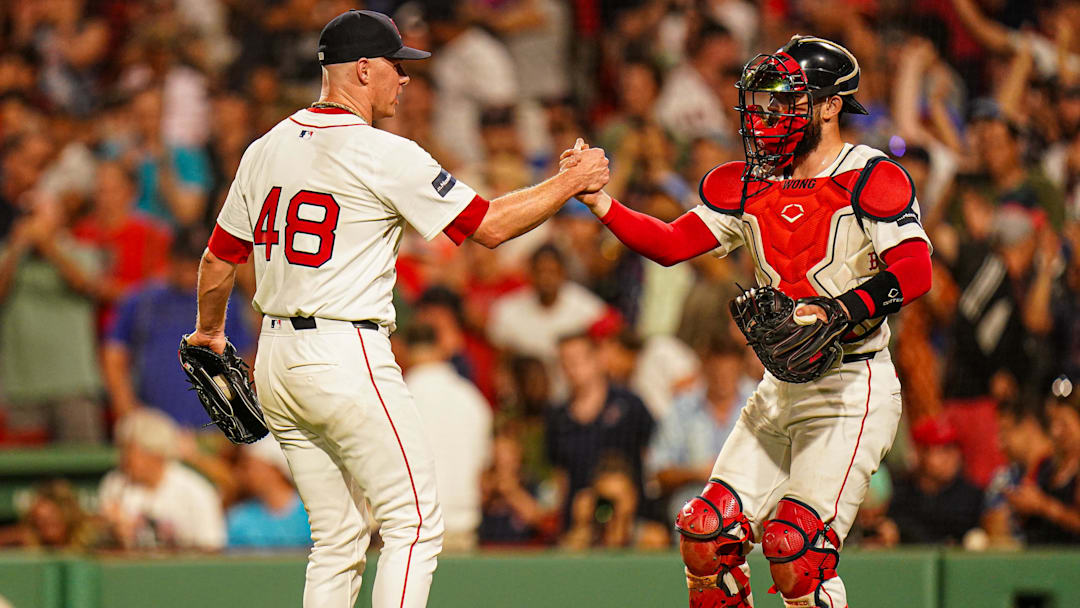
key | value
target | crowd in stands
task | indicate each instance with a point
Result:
(574, 393)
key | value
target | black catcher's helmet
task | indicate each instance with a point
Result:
(777, 94)
(830, 69)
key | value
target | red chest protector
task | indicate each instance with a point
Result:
(794, 220)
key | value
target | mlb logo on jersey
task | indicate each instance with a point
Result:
(306, 134)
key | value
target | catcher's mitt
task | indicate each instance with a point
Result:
(791, 349)
(224, 387)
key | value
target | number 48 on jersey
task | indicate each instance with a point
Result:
(322, 230)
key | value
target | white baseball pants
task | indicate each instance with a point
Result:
(817, 442)
(335, 400)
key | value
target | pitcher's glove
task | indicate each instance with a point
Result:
(792, 349)
(224, 387)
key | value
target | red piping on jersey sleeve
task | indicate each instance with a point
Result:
(466, 223)
(228, 247)
(663, 243)
(910, 262)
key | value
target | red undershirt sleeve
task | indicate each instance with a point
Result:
(466, 223)
(907, 275)
(228, 247)
(910, 262)
(666, 244)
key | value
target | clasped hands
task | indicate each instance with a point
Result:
(585, 159)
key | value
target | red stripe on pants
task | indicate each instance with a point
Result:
(862, 425)
(416, 498)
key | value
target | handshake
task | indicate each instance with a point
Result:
(589, 169)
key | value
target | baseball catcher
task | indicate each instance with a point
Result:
(223, 384)
(837, 242)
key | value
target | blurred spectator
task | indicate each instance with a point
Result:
(637, 89)
(1065, 303)
(487, 281)
(415, 116)
(598, 420)
(469, 352)
(457, 420)
(935, 504)
(658, 370)
(690, 435)
(71, 175)
(530, 321)
(1043, 42)
(173, 179)
(71, 45)
(139, 355)
(505, 166)
(691, 102)
(537, 35)
(1002, 308)
(23, 158)
(1047, 502)
(472, 71)
(136, 246)
(524, 403)
(269, 105)
(511, 512)
(153, 501)
(54, 520)
(233, 130)
(273, 515)
(1011, 180)
(603, 514)
(927, 139)
(48, 284)
(1027, 446)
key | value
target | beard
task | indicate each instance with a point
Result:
(812, 137)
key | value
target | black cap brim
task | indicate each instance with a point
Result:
(853, 106)
(407, 52)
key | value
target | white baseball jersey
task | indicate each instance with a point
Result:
(819, 236)
(324, 198)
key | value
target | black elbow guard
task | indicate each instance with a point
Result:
(884, 294)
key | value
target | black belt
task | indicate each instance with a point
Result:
(309, 323)
(852, 358)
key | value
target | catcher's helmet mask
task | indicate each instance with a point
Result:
(772, 118)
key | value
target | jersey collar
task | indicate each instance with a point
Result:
(326, 117)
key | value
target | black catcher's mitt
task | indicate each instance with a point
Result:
(224, 387)
(791, 350)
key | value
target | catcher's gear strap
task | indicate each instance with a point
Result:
(666, 244)
(884, 192)
(714, 533)
(466, 222)
(801, 550)
(227, 247)
(906, 277)
(722, 188)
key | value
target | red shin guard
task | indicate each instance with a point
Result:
(713, 535)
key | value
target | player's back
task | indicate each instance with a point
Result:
(324, 198)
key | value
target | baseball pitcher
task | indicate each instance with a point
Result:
(320, 202)
(835, 234)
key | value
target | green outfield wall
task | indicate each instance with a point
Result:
(922, 578)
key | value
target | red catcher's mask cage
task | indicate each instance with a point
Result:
(775, 107)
